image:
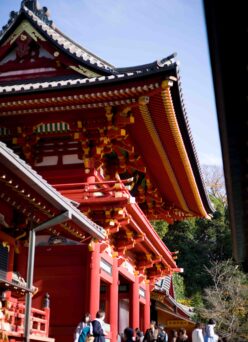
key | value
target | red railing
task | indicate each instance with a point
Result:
(13, 317)
(39, 321)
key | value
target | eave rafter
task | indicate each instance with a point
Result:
(66, 108)
(21, 197)
(113, 138)
(143, 102)
(148, 262)
(170, 111)
(94, 99)
(126, 237)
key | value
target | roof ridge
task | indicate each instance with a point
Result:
(158, 64)
(40, 17)
(32, 5)
(44, 14)
(83, 48)
(75, 49)
(46, 84)
(41, 12)
(12, 17)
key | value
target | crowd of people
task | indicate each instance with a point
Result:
(206, 333)
(93, 331)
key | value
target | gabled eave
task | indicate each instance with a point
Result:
(75, 52)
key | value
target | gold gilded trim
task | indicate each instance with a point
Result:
(66, 107)
(175, 130)
(84, 71)
(25, 26)
(164, 159)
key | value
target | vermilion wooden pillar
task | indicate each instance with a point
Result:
(135, 304)
(147, 317)
(114, 291)
(94, 280)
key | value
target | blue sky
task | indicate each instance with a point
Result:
(132, 32)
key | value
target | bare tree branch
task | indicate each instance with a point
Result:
(215, 182)
(227, 300)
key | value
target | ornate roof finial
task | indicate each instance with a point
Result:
(30, 4)
(40, 12)
(12, 17)
(33, 6)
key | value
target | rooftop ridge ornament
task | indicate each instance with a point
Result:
(12, 17)
(41, 12)
(32, 5)
(167, 60)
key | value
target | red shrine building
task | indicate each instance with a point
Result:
(89, 155)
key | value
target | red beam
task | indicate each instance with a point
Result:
(104, 182)
(151, 234)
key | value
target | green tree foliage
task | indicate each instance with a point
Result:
(161, 227)
(200, 242)
(179, 287)
(227, 300)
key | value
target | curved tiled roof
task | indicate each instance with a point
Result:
(190, 144)
(180, 111)
(39, 18)
(76, 82)
(108, 74)
(67, 44)
(158, 64)
(61, 83)
(164, 284)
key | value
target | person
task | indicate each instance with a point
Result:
(197, 334)
(84, 329)
(151, 333)
(182, 335)
(128, 335)
(98, 327)
(139, 336)
(2, 325)
(1, 317)
(174, 336)
(162, 334)
(210, 335)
